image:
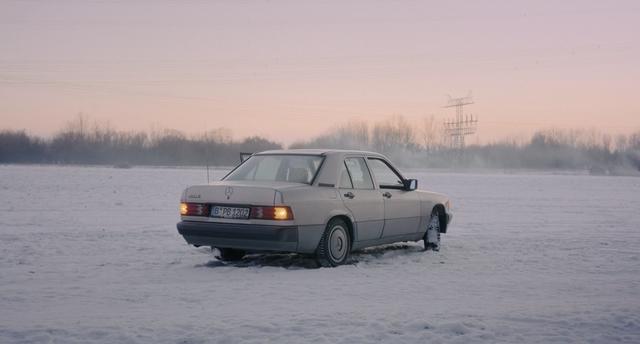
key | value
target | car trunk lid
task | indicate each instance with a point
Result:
(237, 192)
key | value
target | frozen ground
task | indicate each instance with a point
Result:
(92, 255)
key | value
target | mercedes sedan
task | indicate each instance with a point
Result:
(325, 203)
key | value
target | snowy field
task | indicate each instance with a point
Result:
(92, 255)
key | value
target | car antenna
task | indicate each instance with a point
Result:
(207, 171)
(206, 159)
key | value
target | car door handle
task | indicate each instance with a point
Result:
(387, 194)
(349, 195)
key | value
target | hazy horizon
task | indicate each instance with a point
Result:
(288, 70)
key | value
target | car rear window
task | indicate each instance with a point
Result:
(278, 168)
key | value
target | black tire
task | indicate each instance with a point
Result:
(433, 243)
(230, 254)
(335, 244)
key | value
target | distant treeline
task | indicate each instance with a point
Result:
(425, 145)
(80, 143)
(422, 145)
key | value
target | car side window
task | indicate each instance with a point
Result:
(385, 176)
(345, 179)
(359, 173)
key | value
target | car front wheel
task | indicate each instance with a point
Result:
(432, 235)
(335, 244)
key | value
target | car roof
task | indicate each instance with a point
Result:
(319, 152)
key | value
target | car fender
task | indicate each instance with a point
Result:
(428, 200)
(340, 212)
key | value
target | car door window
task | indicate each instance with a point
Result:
(385, 176)
(359, 173)
(345, 179)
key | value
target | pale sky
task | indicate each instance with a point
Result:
(289, 70)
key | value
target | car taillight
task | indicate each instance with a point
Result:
(271, 213)
(194, 209)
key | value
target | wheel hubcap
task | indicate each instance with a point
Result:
(338, 243)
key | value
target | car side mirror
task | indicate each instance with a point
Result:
(410, 184)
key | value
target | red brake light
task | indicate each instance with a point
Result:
(272, 213)
(194, 209)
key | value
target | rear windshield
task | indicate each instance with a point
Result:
(278, 168)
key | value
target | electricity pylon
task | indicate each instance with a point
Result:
(462, 125)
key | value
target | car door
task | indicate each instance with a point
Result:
(361, 198)
(401, 207)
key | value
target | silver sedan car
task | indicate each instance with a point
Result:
(325, 203)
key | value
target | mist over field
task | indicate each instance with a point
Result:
(416, 145)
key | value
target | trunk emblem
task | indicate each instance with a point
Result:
(228, 191)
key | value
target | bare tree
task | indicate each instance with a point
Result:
(392, 134)
(431, 133)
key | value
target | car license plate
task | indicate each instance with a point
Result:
(230, 212)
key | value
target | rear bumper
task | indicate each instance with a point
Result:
(240, 236)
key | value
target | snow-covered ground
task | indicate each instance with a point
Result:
(92, 255)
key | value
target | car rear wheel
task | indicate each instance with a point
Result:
(432, 235)
(335, 244)
(230, 254)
